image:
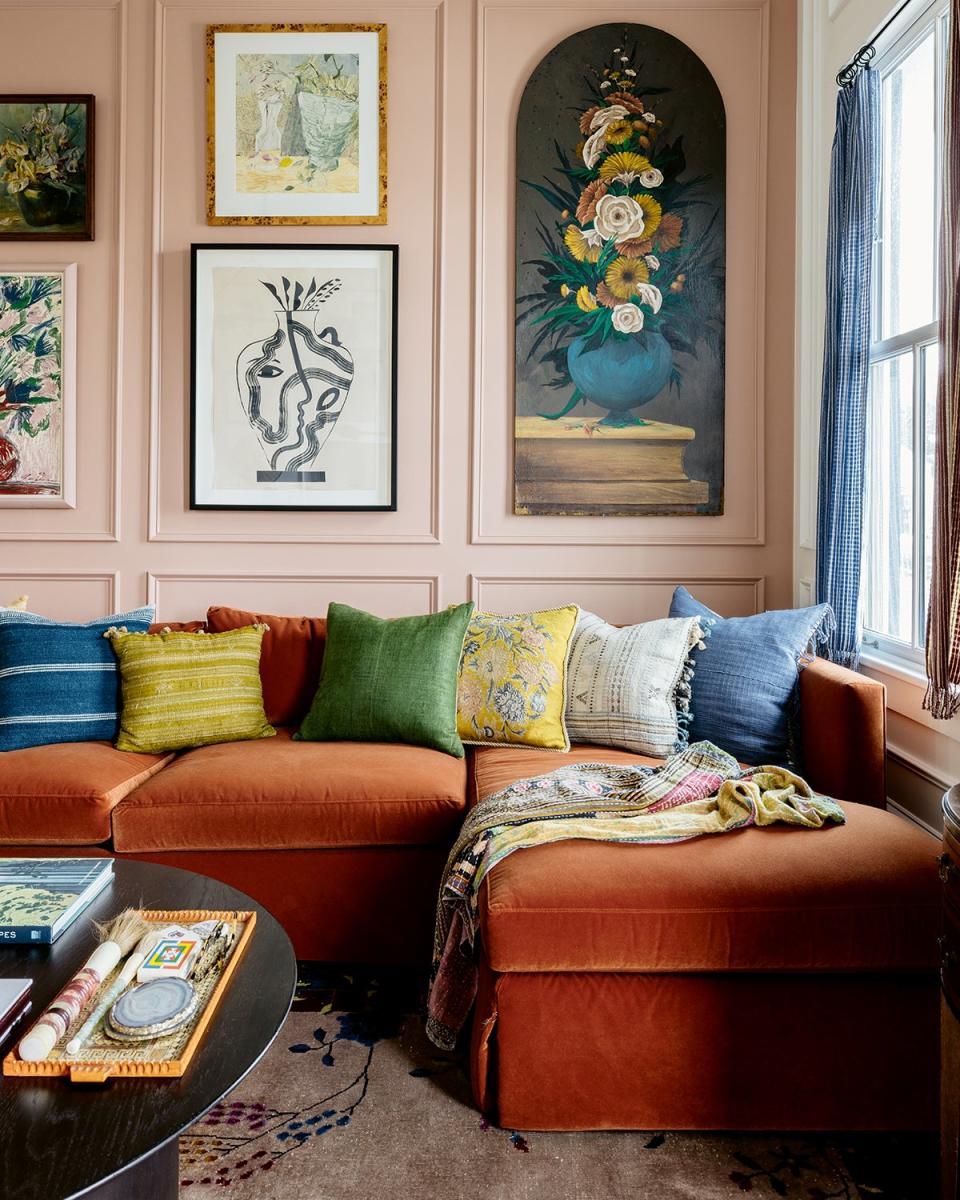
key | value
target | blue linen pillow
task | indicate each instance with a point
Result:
(745, 684)
(59, 681)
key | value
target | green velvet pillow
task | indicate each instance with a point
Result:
(389, 680)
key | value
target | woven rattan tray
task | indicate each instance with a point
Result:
(163, 1058)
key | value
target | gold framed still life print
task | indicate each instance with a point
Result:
(296, 124)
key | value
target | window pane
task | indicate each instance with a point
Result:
(908, 205)
(888, 520)
(931, 368)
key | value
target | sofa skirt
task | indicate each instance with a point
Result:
(368, 904)
(555, 1051)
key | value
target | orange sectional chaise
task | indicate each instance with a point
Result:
(776, 978)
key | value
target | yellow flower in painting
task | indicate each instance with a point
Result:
(580, 246)
(652, 213)
(624, 274)
(618, 132)
(624, 162)
(585, 300)
(564, 290)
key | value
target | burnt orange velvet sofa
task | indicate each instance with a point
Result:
(762, 979)
(768, 979)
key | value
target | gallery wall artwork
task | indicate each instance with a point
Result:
(620, 276)
(37, 379)
(294, 377)
(296, 124)
(46, 167)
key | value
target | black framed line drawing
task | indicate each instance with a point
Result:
(293, 377)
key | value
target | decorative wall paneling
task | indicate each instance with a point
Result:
(63, 595)
(619, 598)
(456, 70)
(46, 37)
(185, 597)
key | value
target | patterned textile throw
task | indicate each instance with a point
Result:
(701, 790)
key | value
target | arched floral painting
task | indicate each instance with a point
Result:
(620, 261)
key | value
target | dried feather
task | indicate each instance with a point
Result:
(125, 930)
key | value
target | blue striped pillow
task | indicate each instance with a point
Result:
(58, 681)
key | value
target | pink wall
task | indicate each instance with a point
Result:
(456, 69)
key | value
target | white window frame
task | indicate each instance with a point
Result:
(876, 645)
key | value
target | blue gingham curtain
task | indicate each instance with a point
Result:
(854, 191)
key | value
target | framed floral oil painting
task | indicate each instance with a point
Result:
(37, 380)
(46, 168)
(296, 124)
(620, 278)
(294, 368)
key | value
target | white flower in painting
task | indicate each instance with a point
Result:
(649, 118)
(603, 116)
(624, 58)
(627, 318)
(652, 178)
(653, 263)
(606, 83)
(594, 147)
(618, 217)
(593, 238)
(629, 71)
(650, 295)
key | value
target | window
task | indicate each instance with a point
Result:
(898, 495)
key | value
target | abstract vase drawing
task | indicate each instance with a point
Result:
(294, 381)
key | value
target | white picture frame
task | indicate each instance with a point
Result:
(41, 430)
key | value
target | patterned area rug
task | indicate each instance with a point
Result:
(353, 1103)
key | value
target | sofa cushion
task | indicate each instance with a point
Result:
(859, 896)
(282, 794)
(63, 794)
(290, 658)
(493, 768)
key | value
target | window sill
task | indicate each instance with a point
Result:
(906, 686)
(898, 668)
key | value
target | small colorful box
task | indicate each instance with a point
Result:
(170, 958)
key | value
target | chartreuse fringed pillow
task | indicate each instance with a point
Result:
(389, 680)
(189, 689)
(513, 679)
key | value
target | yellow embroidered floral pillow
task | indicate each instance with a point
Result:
(513, 679)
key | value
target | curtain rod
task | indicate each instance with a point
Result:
(861, 59)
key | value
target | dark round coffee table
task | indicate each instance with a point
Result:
(59, 1139)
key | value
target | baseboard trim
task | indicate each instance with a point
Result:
(893, 806)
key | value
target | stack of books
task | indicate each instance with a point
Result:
(41, 897)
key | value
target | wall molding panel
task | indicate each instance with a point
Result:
(456, 69)
(213, 527)
(388, 595)
(622, 598)
(64, 595)
(743, 523)
(58, 525)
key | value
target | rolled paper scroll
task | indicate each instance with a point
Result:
(64, 1010)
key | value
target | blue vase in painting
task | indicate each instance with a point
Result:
(621, 374)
